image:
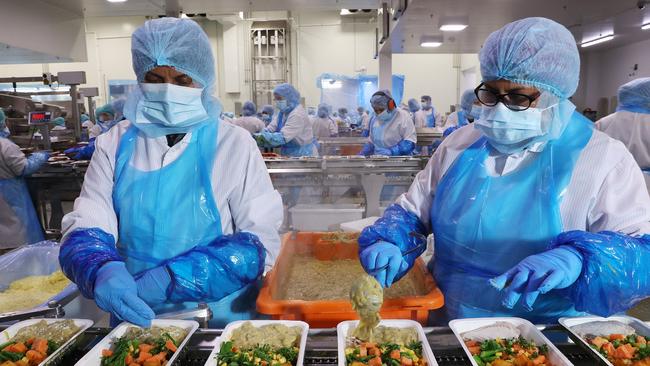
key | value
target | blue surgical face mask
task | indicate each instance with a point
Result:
(426, 105)
(281, 104)
(386, 115)
(476, 111)
(510, 131)
(177, 108)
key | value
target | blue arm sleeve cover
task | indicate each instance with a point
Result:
(404, 147)
(35, 162)
(368, 149)
(365, 133)
(450, 130)
(399, 227)
(615, 272)
(86, 152)
(273, 139)
(82, 253)
(211, 272)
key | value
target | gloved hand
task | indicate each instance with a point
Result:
(367, 149)
(556, 268)
(382, 151)
(116, 292)
(35, 162)
(260, 140)
(377, 256)
(153, 284)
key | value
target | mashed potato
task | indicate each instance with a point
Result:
(31, 291)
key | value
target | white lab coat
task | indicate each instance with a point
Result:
(633, 130)
(297, 126)
(421, 118)
(365, 121)
(605, 192)
(324, 127)
(241, 184)
(12, 165)
(452, 120)
(398, 129)
(251, 124)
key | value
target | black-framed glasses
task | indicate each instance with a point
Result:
(514, 101)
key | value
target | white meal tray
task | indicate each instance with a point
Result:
(528, 331)
(8, 333)
(225, 336)
(343, 329)
(640, 327)
(94, 356)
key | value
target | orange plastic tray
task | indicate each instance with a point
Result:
(327, 314)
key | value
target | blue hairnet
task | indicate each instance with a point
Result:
(288, 92)
(325, 107)
(268, 109)
(249, 108)
(380, 99)
(84, 117)
(466, 101)
(533, 51)
(635, 96)
(106, 108)
(59, 121)
(414, 106)
(118, 108)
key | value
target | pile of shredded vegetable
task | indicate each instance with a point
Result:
(31, 291)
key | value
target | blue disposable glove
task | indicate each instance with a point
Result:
(153, 285)
(35, 162)
(367, 149)
(537, 274)
(382, 151)
(116, 292)
(82, 152)
(365, 133)
(380, 254)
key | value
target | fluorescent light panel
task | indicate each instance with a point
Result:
(453, 23)
(116, 1)
(597, 41)
(645, 26)
(453, 27)
(431, 41)
(345, 12)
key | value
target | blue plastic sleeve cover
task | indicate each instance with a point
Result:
(35, 162)
(365, 133)
(273, 139)
(615, 275)
(82, 253)
(404, 147)
(398, 227)
(368, 149)
(211, 272)
(450, 130)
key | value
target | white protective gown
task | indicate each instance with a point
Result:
(605, 192)
(296, 127)
(633, 130)
(241, 185)
(324, 127)
(421, 118)
(12, 165)
(398, 129)
(452, 120)
(251, 124)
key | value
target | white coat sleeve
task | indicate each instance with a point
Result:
(13, 159)
(452, 120)
(334, 128)
(255, 206)
(622, 204)
(273, 125)
(407, 130)
(94, 206)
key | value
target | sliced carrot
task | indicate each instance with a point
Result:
(143, 356)
(170, 346)
(30, 341)
(375, 362)
(474, 350)
(374, 352)
(539, 360)
(107, 353)
(128, 359)
(368, 345)
(152, 362)
(40, 345)
(35, 356)
(625, 351)
(613, 337)
(395, 354)
(609, 348)
(363, 352)
(405, 361)
(472, 343)
(143, 347)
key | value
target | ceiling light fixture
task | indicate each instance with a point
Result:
(597, 41)
(645, 26)
(345, 12)
(116, 1)
(454, 24)
(431, 41)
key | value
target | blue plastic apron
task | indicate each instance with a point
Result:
(166, 212)
(15, 193)
(462, 119)
(431, 118)
(485, 225)
(292, 148)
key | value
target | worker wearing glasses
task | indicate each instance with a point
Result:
(534, 213)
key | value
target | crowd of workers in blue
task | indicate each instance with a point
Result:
(535, 212)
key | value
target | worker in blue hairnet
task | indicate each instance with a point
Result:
(427, 116)
(630, 124)
(106, 116)
(534, 213)
(19, 224)
(470, 110)
(292, 129)
(343, 119)
(323, 124)
(248, 120)
(164, 220)
(392, 132)
(267, 114)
